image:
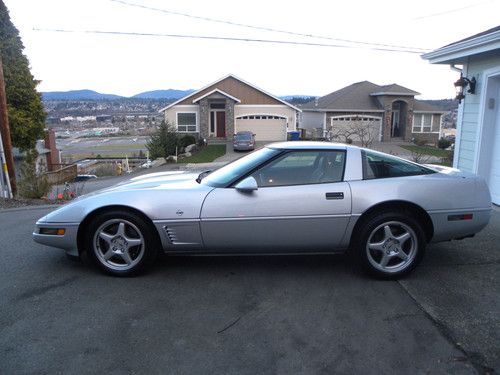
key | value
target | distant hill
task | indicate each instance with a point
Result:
(298, 99)
(78, 95)
(163, 94)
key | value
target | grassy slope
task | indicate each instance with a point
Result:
(206, 155)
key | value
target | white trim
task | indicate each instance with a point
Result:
(458, 134)
(262, 105)
(281, 117)
(459, 50)
(343, 110)
(187, 131)
(422, 123)
(433, 112)
(381, 93)
(221, 79)
(336, 117)
(487, 74)
(220, 92)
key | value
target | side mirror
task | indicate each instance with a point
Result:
(247, 185)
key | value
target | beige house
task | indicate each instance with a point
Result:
(391, 111)
(230, 105)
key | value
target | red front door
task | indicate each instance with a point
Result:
(221, 124)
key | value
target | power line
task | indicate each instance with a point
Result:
(270, 41)
(449, 11)
(262, 28)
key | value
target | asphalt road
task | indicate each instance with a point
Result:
(247, 315)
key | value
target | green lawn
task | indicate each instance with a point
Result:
(206, 155)
(427, 150)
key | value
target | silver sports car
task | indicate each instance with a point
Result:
(286, 198)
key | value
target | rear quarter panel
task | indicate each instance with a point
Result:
(438, 194)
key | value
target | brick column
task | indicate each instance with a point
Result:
(204, 118)
(229, 118)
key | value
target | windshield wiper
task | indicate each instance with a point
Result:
(202, 175)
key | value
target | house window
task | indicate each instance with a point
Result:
(186, 122)
(425, 123)
(218, 105)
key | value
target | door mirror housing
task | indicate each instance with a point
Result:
(249, 184)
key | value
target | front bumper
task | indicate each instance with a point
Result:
(68, 241)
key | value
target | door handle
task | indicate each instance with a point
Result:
(335, 195)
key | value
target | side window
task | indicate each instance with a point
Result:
(302, 168)
(376, 165)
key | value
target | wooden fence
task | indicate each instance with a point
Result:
(62, 175)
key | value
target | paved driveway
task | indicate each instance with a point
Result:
(247, 315)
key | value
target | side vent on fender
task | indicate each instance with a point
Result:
(172, 235)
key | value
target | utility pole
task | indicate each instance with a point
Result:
(5, 132)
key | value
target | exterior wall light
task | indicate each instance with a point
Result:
(461, 84)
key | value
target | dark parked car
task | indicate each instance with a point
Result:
(244, 141)
(84, 177)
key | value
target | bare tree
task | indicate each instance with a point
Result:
(354, 130)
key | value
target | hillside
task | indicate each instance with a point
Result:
(78, 95)
(163, 94)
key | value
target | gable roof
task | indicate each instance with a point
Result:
(224, 84)
(457, 52)
(361, 96)
(352, 97)
(217, 91)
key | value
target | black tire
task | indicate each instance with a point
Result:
(382, 252)
(121, 243)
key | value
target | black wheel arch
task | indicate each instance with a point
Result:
(417, 212)
(101, 210)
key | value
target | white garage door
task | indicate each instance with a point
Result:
(353, 125)
(265, 127)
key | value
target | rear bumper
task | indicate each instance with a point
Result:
(68, 241)
(446, 229)
(243, 148)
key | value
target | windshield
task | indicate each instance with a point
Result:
(243, 137)
(228, 173)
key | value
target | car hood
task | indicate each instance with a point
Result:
(157, 195)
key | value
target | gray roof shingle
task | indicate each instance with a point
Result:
(355, 96)
(359, 97)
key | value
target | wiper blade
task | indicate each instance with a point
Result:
(202, 175)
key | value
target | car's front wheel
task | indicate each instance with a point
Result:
(390, 245)
(121, 243)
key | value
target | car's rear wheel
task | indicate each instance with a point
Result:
(390, 245)
(121, 243)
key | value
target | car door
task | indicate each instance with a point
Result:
(301, 204)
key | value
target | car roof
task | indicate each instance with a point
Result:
(244, 132)
(308, 145)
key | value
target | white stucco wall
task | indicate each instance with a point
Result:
(171, 113)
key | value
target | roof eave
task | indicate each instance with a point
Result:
(394, 93)
(456, 52)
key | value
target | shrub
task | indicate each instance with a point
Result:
(31, 185)
(443, 143)
(187, 140)
(163, 142)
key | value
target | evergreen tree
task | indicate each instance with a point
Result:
(24, 103)
(163, 141)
